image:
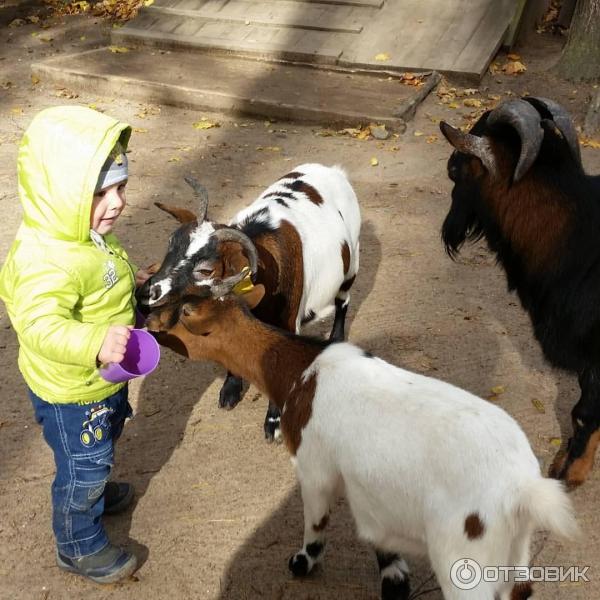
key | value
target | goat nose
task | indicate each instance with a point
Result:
(154, 293)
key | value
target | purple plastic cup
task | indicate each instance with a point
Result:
(141, 357)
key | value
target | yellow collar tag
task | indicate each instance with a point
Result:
(245, 285)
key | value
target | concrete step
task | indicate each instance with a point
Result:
(232, 85)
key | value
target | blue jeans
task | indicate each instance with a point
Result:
(82, 438)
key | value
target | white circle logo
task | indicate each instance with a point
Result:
(465, 574)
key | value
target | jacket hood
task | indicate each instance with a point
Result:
(59, 162)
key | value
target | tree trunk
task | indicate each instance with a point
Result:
(580, 59)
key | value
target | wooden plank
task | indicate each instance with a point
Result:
(234, 44)
(280, 16)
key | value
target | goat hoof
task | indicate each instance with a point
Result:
(395, 589)
(273, 430)
(228, 400)
(298, 565)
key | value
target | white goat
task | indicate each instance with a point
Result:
(427, 468)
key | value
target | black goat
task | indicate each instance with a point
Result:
(520, 184)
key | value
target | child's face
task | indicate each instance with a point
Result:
(107, 205)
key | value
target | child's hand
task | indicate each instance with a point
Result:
(113, 346)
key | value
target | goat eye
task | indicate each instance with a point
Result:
(205, 272)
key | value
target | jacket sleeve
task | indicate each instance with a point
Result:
(44, 302)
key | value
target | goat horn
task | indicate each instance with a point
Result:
(228, 234)
(467, 143)
(549, 109)
(202, 195)
(226, 285)
(522, 117)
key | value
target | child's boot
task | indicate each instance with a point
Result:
(109, 565)
(117, 497)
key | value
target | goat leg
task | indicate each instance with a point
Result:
(272, 423)
(393, 572)
(575, 465)
(231, 392)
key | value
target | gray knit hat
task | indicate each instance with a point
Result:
(114, 170)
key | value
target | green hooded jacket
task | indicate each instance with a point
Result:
(61, 290)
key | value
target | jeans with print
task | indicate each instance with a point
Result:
(82, 438)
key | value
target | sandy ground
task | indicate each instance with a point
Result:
(218, 511)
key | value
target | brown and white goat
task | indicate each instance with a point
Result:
(519, 182)
(300, 240)
(426, 467)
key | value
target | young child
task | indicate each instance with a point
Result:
(69, 291)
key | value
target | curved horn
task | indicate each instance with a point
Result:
(522, 117)
(202, 195)
(226, 285)
(228, 234)
(549, 109)
(467, 143)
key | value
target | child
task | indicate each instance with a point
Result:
(69, 292)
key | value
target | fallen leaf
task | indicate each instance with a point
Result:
(497, 389)
(33, 19)
(588, 142)
(432, 138)
(6, 85)
(174, 159)
(513, 56)
(17, 23)
(374, 162)
(34, 79)
(16, 110)
(45, 38)
(205, 124)
(418, 133)
(555, 442)
(148, 2)
(539, 405)
(514, 68)
(118, 49)
(140, 130)
(382, 57)
(453, 105)
(82, 38)
(92, 106)
(472, 102)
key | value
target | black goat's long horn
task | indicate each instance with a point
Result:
(226, 285)
(467, 143)
(228, 234)
(202, 195)
(522, 117)
(549, 109)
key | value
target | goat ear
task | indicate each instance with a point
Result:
(254, 296)
(181, 214)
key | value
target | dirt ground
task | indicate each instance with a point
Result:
(218, 511)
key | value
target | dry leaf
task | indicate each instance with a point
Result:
(374, 162)
(514, 68)
(205, 124)
(497, 389)
(418, 133)
(33, 19)
(513, 56)
(382, 57)
(140, 130)
(34, 79)
(148, 2)
(65, 93)
(588, 142)
(17, 23)
(16, 110)
(432, 138)
(472, 102)
(174, 159)
(118, 49)
(539, 405)
(555, 442)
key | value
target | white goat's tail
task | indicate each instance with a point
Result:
(546, 504)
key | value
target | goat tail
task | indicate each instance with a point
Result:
(545, 503)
